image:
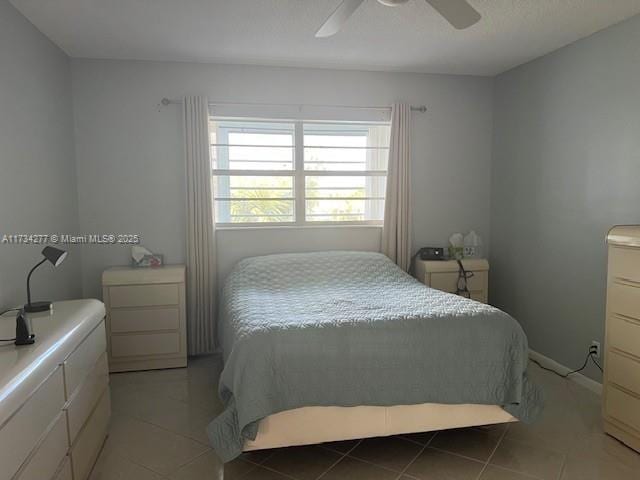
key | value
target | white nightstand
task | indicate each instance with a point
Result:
(443, 275)
(146, 317)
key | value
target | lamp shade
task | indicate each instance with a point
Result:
(54, 255)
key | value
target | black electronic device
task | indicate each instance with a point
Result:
(431, 253)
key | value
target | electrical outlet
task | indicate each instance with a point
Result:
(595, 349)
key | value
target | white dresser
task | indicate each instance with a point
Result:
(621, 402)
(146, 317)
(54, 394)
(443, 275)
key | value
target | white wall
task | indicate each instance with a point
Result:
(37, 171)
(130, 155)
(566, 168)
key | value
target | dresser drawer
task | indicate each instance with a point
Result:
(87, 446)
(623, 407)
(64, 473)
(81, 361)
(85, 398)
(624, 334)
(624, 263)
(143, 295)
(29, 423)
(624, 300)
(145, 344)
(144, 320)
(448, 281)
(46, 459)
(623, 371)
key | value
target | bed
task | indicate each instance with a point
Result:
(330, 346)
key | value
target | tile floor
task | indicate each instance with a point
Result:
(157, 433)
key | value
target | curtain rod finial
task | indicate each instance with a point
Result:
(165, 101)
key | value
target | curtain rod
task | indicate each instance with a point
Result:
(165, 101)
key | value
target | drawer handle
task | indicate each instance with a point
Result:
(625, 390)
(626, 318)
(624, 354)
(627, 282)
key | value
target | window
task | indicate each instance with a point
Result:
(296, 173)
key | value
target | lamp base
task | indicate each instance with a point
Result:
(23, 336)
(37, 307)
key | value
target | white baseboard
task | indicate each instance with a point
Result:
(578, 378)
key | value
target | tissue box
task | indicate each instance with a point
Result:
(153, 260)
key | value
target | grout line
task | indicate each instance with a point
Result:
(138, 419)
(146, 467)
(264, 467)
(493, 452)
(261, 462)
(530, 444)
(187, 462)
(255, 465)
(253, 468)
(424, 447)
(511, 470)
(184, 464)
(339, 460)
(401, 437)
(373, 464)
(564, 464)
(457, 455)
(126, 457)
(404, 470)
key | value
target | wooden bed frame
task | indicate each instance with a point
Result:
(310, 425)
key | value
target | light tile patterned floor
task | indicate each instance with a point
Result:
(157, 433)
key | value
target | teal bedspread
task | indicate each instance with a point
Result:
(351, 328)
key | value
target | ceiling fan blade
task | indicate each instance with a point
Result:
(457, 12)
(340, 15)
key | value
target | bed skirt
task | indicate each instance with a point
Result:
(311, 425)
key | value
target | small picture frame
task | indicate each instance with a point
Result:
(149, 261)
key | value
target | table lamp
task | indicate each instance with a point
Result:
(56, 257)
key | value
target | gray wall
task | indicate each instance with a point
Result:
(130, 155)
(566, 167)
(37, 171)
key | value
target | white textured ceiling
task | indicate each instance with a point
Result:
(411, 37)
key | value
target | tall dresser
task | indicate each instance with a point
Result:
(146, 317)
(54, 394)
(621, 402)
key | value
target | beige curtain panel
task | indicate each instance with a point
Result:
(201, 247)
(396, 233)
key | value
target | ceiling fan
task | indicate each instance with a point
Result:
(457, 12)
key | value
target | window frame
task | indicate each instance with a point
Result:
(298, 175)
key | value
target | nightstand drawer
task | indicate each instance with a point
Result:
(143, 295)
(624, 263)
(479, 296)
(448, 282)
(144, 320)
(623, 407)
(624, 334)
(624, 300)
(624, 371)
(145, 344)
